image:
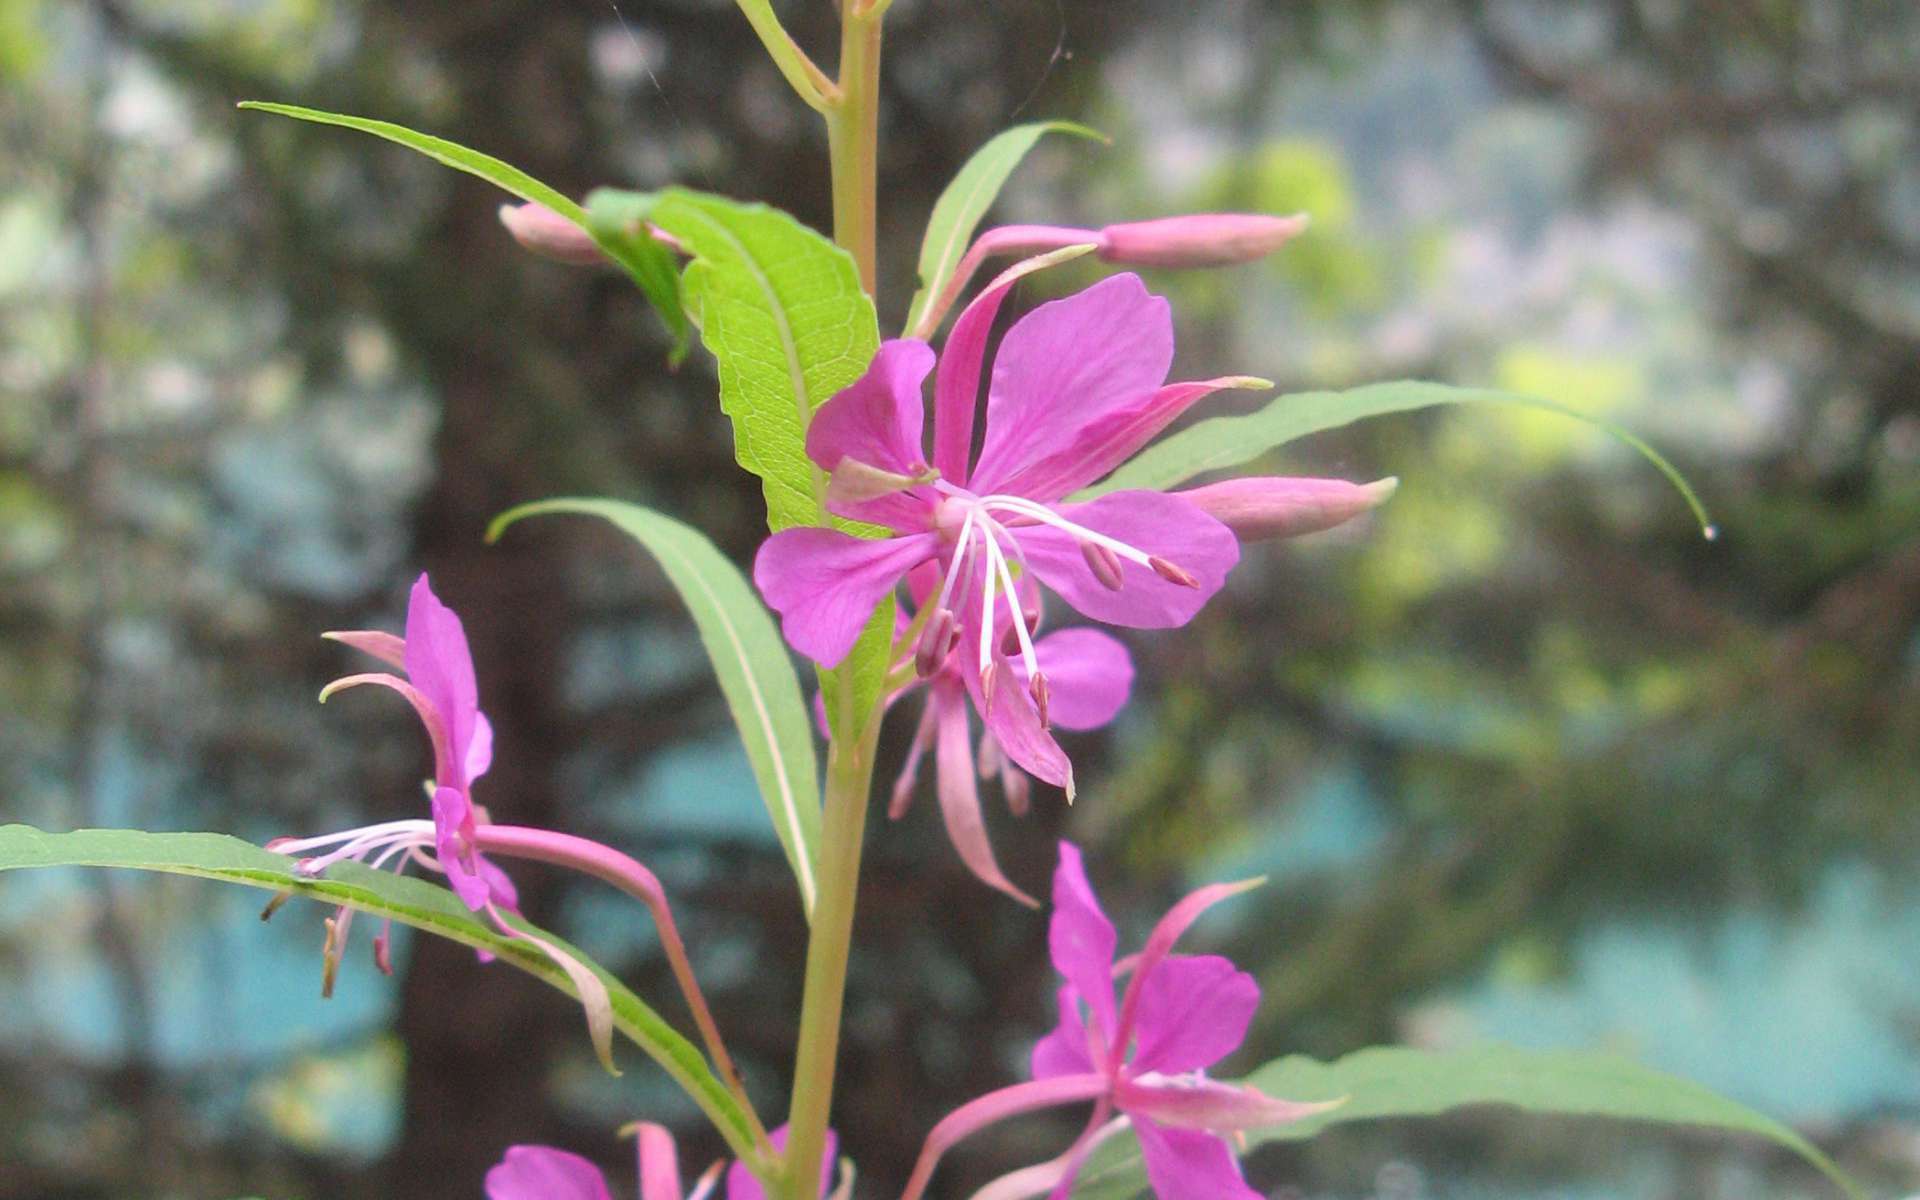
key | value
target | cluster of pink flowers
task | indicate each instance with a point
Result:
(975, 537)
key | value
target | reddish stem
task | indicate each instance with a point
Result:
(630, 876)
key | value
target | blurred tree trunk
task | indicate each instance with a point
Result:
(479, 1048)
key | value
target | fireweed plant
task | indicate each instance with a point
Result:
(915, 564)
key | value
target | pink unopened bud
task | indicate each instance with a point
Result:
(550, 235)
(1199, 240)
(1262, 508)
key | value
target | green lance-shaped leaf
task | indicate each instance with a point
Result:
(1223, 442)
(1397, 1081)
(649, 263)
(407, 900)
(752, 662)
(966, 200)
(782, 311)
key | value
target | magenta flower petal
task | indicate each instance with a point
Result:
(1081, 940)
(479, 747)
(825, 584)
(741, 1185)
(544, 1173)
(377, 642)
(1115, 437)
(1154, 523)
(1091, 676)
(877, 421)
(659, 1163)
(452, 834)
(956, 388)
(1016, 725)
(960, 793)
(1185, 1164)
(1160, 943)
(1067, 364)
(499, 887)
(1193, 1012)
(1064, 1051)
(441, 666)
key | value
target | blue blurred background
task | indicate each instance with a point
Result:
(1526, 757)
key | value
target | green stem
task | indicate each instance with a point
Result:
(853, 137)
(853, 142)
(849, 783)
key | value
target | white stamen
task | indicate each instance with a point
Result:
(1046, 516)
(1014, 612)
(294, 846)
(987, 594)
(962, 546)
(372, 838)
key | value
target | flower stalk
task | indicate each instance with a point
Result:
(853, 136)
(843, 831)
(853, 144)
(627, 874)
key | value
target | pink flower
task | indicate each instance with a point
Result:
(1089, 676)
(1143, 1055)
(440, 685)
(546, 1173)
(1076, 388)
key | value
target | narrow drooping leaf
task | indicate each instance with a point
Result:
(966, 200)
(405, 899)
(781, 309)
(1223, 442)
(650, 264)
(1398, 1081)
(753, 664)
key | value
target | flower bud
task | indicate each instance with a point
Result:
(550, 235)
(1198, 240)
(1265, 507)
